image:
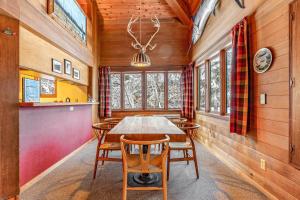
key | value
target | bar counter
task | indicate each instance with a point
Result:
(31, 104)
(49, 132)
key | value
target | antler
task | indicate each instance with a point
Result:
(157, 26)
(136, 44)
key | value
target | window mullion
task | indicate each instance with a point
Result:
(223, 82)
(122, 91)
(166, 90)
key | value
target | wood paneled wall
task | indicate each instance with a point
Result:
(269, 136)
(172, 44)
(9, 113)
(36, 54)
(32, 14)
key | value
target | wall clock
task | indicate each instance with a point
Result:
(262, 60)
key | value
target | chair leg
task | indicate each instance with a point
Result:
(168, 165)
(165, 187)
(124, 193)
(187, 156)
(195, 162)
(96, 164)
(103, 156)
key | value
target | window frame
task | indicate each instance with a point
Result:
(222, 114)
(144, 90)
(217, 55)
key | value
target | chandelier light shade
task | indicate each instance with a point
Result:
(140, 59)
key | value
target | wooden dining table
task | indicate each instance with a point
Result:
(145, 128)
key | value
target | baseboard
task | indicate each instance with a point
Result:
(50, 169)
(236, 167)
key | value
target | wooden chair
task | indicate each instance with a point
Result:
(100, 130)
(179, 121)
(112, 121)
(190, 129)
(144, 162)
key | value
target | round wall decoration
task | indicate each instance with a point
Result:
(262, 60)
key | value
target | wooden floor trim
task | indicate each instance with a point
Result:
(53, 167)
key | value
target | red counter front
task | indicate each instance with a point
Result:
(48, 134)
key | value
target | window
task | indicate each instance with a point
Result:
(115, 90)
(215, 85)
(70, 16)
(201, 87)
(174, 90)
(228, 77)
(155, 90)
(145, 90)
(133, 91)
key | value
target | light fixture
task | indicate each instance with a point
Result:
(141, 59)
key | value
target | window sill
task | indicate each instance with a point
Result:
(214, 115)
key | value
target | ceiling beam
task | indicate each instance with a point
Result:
(181, 10)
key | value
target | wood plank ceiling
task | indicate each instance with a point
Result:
(122, 10)
(173, 40)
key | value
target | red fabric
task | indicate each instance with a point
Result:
(240, 79)
(187, 86)
(104, 92)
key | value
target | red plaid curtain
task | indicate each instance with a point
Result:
(187, 89)
(240, 79)
(104, 92)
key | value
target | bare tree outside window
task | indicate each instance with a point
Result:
(202, 93)
(228, 78)
(115, 90)
(174, 90)
(215, 85)
(133, 90)
(155, 90)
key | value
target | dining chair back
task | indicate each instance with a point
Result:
(145, 162)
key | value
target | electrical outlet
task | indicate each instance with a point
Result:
(71, 108)
(262, 164)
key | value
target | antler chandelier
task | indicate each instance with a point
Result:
(141, 59)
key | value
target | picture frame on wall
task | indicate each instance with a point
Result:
(31, 90)
(48, 88)
(68, 66)
(76, 74)
(56, 66)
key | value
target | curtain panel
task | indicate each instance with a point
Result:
(239, 112)
(104, 92)
(187, 81)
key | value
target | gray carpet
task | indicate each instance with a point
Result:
(73, 181)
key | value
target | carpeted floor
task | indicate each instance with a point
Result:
(73, 181)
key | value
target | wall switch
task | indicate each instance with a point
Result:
(262, 164)
(71, 108)
(263, 99)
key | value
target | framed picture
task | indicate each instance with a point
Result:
(48, 88)
(56, 66)
(31, 90)
(68, 66)
(76, 74)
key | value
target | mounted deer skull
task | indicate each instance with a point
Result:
(136, 44)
